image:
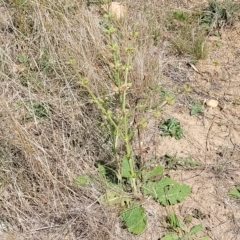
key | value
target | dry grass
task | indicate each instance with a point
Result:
(42, 154)
(49, 131)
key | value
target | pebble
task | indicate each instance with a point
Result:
(117, 9)
(212, 103)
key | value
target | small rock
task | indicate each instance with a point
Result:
(212, 103)
(117, 9)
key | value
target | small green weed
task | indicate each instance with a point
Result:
(218, 15)
(37, 109)
(187, 37)
(167, 96)
(180, 231)
(235, 192)
(23, 59)
(174, 223)
(82, 180)
(196, 109)
(171, 128)
(174, 162)
(44, 63)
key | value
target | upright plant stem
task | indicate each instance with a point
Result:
(126, 130)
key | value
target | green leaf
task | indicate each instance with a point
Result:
(82, 180)
(22, 59)
(238, 187)
(40, 110)
(101, 169)
(114, 197)
(234, 193)
(174, 222)
(170, 236)
(195, 109)
(135, 219)
(167, 191)
(126, 173)
(195, 229)
(155, 172)
(171, 128)
(188, 219)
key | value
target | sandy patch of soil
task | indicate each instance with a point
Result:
(212, 138)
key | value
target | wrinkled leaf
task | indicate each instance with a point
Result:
(155, 172)
(195, 229)
(135, 219)
(167, 191)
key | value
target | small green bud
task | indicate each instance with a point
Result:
(125, 67)
(109, 112)
(130, 49)
(114, 47)
(110, 30)
(71, 62)
(83, 81)
(118, 65)
(134, 34)
(108, 15)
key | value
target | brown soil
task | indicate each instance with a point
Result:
(212, 138)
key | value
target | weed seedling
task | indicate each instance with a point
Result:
(175, 162)
(196, 109)
(187, 37)
(179, 230)
(218, 15)
(171, 128)
(235, 192)
(36, 109)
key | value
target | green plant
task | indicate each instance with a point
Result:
(180, 231)
(235, 192)
(166, 191)
(167, 96)
(199, 49)
(126, 178)
(37, 109)
(82, 180)
(174, 223)
(196, 109)
(218, 15)
(175, 162)
(187, 37)
(135, 219)
(171, 128)
(23, 59)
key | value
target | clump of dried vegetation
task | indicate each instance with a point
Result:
(50, 132)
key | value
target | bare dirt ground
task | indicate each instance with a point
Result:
(212, 138)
